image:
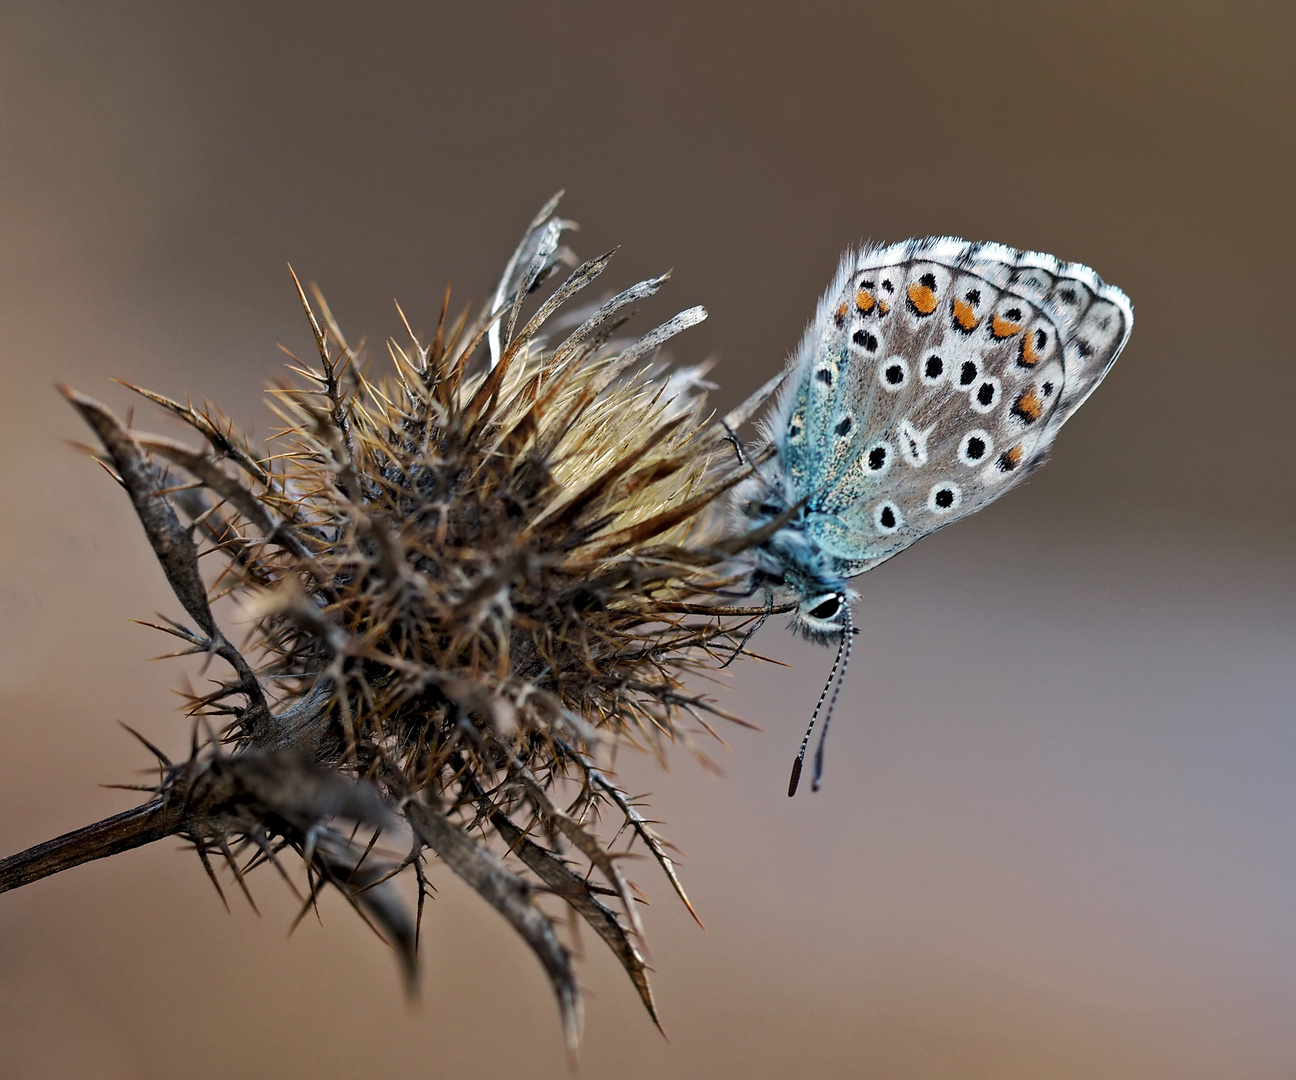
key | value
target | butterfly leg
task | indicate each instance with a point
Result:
(757, 579)
(760, 621)
(737, 444)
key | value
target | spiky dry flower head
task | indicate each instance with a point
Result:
(464, 584)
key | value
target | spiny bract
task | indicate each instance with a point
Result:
(464, 583)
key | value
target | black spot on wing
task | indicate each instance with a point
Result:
(865, 340)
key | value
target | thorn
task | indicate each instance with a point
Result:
(320, 343)
(400, 311)
(201, 848)
(166, 761)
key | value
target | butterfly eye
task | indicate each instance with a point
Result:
(887, 518)
(827, 609)
(944, 498)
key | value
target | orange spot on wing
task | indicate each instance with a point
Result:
(883, 306)
(864, 300)
(965, 315)
(1028, 405)
(922, 298)
(1028, 357)
(839, 316)
(1010, 459)
(1002, 328)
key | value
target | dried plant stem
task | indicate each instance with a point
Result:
(154, 820)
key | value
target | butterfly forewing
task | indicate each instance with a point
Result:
(935, 375)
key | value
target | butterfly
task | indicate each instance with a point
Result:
(934, 376)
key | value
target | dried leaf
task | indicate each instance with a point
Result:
(508, 894)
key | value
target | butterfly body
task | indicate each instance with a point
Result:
(934, 376)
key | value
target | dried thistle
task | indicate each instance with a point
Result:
(464, 585)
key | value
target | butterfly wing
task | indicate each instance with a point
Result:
(935, 375)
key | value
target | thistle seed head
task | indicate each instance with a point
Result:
(464, 582)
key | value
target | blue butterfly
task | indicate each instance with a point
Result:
(934, 377)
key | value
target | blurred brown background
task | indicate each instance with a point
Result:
(1057, 835)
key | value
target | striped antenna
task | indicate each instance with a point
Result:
(833, 684)
(843, 654)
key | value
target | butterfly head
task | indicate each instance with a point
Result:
(794, 562)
